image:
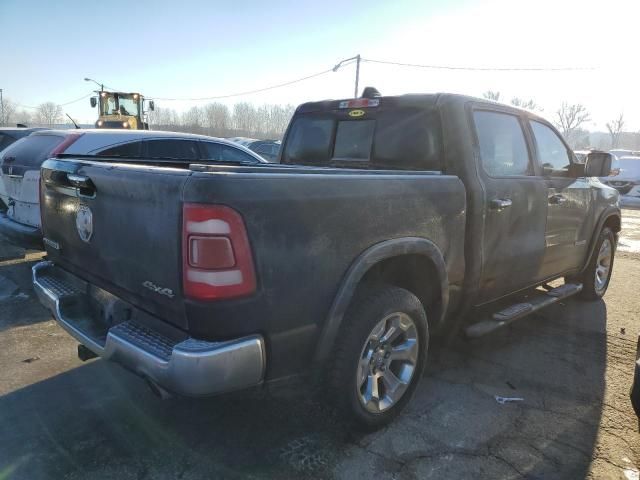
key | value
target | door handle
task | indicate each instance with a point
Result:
(500, 203)
(557, 199)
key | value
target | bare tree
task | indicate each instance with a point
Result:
(217, 118)
(491, 95)
(569, 118)
(527, 104)
(7, 113)
(615, 129)
(48, 113)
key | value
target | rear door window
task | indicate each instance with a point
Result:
(131, 150)
(173, 149)
(503, 148)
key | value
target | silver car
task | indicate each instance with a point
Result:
(20, 165)
(625, 177)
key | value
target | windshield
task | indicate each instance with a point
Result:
(123, 104)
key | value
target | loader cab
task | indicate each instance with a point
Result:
(121, 110)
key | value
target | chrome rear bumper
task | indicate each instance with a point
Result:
(186, 366)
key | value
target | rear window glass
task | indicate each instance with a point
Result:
(32, 150)
(5, 140)
(353, 139)
(402, 138)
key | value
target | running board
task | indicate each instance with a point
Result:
(519, 310)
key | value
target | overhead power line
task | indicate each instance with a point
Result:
(60, 104)
(249, 92)
(480, 69)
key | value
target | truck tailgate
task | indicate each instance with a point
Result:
(118, 226)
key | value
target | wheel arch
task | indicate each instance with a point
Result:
(610, 218)
(388, 257)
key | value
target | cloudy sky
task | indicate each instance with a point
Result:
(212, 48)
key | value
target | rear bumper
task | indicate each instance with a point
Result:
(185, 365)
(22, 235)
(635, 389)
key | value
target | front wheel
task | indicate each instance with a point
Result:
(595, 279)
(380, 356)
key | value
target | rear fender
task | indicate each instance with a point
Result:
(370, 257)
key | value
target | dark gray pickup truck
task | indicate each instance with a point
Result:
(387, 220)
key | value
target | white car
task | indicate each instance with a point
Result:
(625, 177)
(20, 165)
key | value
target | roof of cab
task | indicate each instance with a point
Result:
(418, 100)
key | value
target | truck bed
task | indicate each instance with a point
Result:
(305, 225)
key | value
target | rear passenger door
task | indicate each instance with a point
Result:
(569, 219)
(514, 205)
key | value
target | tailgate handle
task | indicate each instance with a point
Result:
(83, 184)
(71, 184)
(80, 181)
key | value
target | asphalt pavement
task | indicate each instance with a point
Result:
(571, 366)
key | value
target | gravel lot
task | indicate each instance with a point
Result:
(572, 365)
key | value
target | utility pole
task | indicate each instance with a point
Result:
(357, 58)
(1, 108)
(355, 95)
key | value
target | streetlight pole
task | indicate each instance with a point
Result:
(92, 80)
(357, 58)
(1, 108)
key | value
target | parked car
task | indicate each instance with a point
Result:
(8, 135)
(20, 165)
(620, 152)
(389, 219)
(267, 149)
(625, 178)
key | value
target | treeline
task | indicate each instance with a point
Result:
(45, 114)
(571, 120)
(243, 119)
(267, 121)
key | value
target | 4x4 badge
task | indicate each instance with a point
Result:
(84, 223)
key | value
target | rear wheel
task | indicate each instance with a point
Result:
(595, 279)
(380, 356)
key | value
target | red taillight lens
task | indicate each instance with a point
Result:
(217, 261)
(72, 137)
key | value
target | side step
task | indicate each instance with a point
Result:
(519, 310)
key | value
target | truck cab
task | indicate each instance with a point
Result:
(121, 110)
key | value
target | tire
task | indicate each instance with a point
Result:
(363, 365)
(594, 287)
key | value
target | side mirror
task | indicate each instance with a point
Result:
(598, 164)
(152, 105)
(93, 101)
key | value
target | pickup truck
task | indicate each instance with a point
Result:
(388, 220)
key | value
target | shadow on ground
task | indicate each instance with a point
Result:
(97, 421)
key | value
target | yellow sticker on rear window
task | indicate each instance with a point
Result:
(356, 113)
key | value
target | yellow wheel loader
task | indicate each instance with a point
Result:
(121, 110)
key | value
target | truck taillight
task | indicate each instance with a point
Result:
(216, 256)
